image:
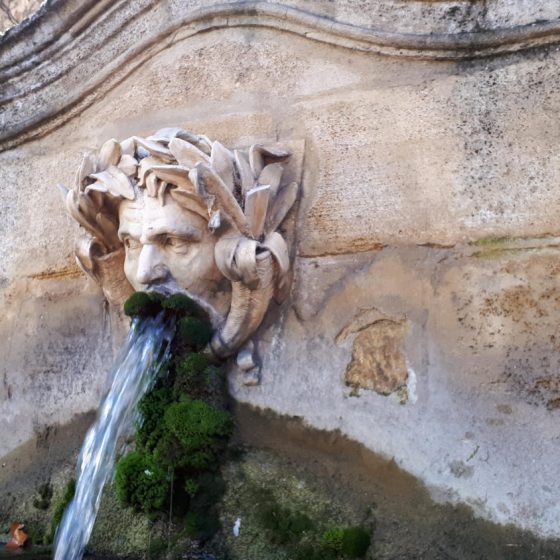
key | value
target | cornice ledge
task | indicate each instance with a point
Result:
(36, 70)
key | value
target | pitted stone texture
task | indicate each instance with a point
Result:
(378, 362)
(406, 162)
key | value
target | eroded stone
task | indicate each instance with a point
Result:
(378, 361)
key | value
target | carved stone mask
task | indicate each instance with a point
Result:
(175, 212)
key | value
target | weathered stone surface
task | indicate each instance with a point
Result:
(412, 169)
(378, 362)
(14, 11)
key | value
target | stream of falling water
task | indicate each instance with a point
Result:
(145, 350)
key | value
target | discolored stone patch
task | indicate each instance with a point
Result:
(378, 361)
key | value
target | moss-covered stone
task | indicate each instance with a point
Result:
(285, 515)
(60, 507)
(196, 434)
(142, 304)
(141, 482)
(194, 332)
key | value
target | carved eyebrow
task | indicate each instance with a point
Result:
(126, 232)
(183, 232)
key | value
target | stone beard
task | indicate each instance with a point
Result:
(177, 213)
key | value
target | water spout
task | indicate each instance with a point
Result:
(146, 349)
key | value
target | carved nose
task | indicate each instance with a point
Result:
(152, 268)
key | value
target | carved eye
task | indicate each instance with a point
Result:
(131, 244)
(176, 243)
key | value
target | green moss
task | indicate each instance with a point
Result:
(333, 539)
(193, 366)
(184, 427)
(491, 241)
(191, 487)
(350, 542)
(60, 506)
(194, 332)
(152, 409)
(37, 535)
(356, 542)
(197, 433)
(192, 375)
(141, 483)
(142, 304)
(283, 525)
(184, 305)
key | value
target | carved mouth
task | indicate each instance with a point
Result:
(216, 318)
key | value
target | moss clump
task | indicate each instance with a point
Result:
(199, 430)
(193, 366)
(285, 526)
(184, 427)
(152, 406)
(194, 332)
(142, 304)
(60, 507)
(302, 537)
(348, 542)
(193, 375)
(183, 305)
(141, 482)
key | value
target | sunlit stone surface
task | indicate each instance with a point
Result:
(429, 197)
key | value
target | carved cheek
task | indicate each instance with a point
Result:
(131, 266)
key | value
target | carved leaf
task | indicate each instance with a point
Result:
(224, 254)
(189, 201)
(258, 153)
(128, 147)
(174, 174)
(145, 167)
(109, 154)
(214, 221)
(87, 167)
(281, 206)
(244, 170)
(274, 153)
(204, 143)
(116, 181)
(152, 185)
(109, 227)
(154, 148)
(245, 262)
(271, 175)
(256, 160)
(98, 186)
(186, 153)
(128, 165)
(215, 186)
(221, 160)
(72, 206)
(167, 134)
(256, 204)
(275, 243)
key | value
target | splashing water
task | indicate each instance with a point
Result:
(146, 349)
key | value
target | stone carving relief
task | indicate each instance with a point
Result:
(178, 213)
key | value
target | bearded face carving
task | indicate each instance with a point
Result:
(177, 213)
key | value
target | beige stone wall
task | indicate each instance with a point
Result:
(429, 217)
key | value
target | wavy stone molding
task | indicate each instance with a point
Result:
(178, 213)
(42, 60)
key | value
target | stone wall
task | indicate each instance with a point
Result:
(425, 303)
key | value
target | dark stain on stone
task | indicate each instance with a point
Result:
(409, 524)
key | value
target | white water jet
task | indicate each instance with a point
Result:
(145, 350)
